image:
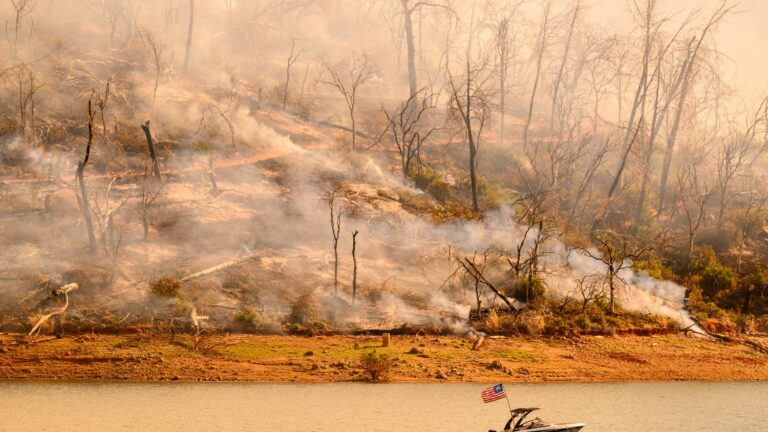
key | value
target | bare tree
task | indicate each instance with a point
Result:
(559, 77)
(737, 152)
(408, 9)
(149, 194)
(28, 86)
(120, 12)
(687, 78)
(291, 60)
(106, 210)
(22, 8)
(506, 49)
(470, 103)
(525, 266)
(617, 253)
(346, 77)
(694, 193)
(650, 25)
(156, 49)
(225, 116)
(596, 160)
(590, 289)
(336, 211)
(408, 131)
(83, 197)
(661, 104)
(541, 45)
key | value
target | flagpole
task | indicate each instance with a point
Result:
(507, 397)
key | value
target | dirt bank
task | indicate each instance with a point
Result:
(336, 358)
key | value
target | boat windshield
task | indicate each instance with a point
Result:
(518, 415)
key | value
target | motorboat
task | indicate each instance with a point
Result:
(520, 422)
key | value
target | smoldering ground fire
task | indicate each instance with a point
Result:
(206, 150)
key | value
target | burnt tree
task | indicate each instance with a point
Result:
(151, 147)
(84, 205)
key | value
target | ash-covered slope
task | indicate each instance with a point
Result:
(270, 215)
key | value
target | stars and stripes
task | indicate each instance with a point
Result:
(493, 393)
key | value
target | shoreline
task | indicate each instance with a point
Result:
(428, 359)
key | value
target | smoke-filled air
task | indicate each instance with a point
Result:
(490, 167)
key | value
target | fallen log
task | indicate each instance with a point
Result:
(476, 274)
(702, 331)
(219, 267)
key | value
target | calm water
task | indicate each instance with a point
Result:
(79, 407)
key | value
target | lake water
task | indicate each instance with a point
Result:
(676, 406)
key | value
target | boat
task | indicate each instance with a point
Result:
(518, 422)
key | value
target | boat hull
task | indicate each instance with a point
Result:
(574, 427)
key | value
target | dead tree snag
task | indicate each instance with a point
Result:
(151, 147)
(84, 205)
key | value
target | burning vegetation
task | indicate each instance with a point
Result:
(312, 167)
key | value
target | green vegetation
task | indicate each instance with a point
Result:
(377, 365)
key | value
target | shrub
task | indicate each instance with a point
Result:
(431, 182)
(304, 317)
(376, 365)
(492, 323)
(304, 310)
(531, 323)
(167, 286)
(526, 291)
(717, 279)
(654, 268)
(247, 319)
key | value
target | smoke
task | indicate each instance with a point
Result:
(272, 205)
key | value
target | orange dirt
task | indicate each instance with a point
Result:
(415, 358)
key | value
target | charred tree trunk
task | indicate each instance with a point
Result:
(291, 60)
(354, 266)
(473, 172)
(84, 205)
(471, 142)
(354, 126)
(669, 151)
(335, 231)
(151, 147)
(612, 289)
(747, 300)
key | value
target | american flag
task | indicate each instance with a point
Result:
(493, 393)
